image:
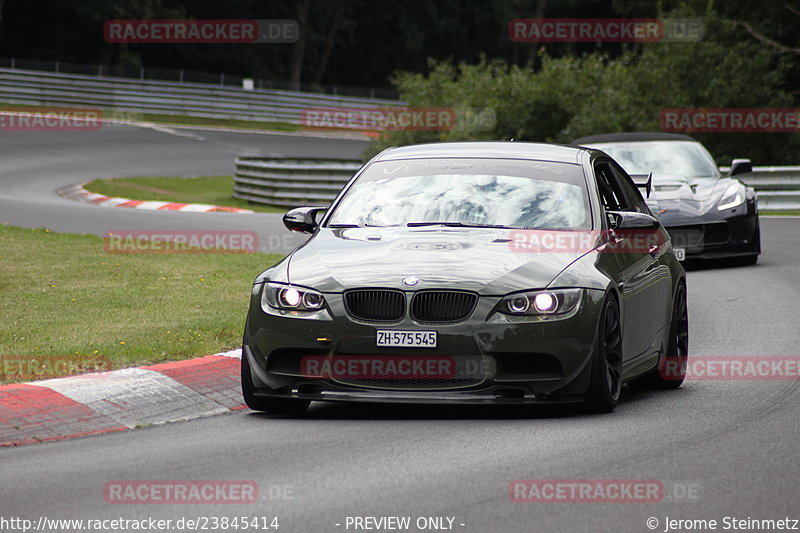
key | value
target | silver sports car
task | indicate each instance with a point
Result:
(708, 215)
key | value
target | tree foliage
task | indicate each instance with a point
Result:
(573, 96)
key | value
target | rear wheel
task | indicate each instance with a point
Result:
(278, 406)
(605, 384)
(671, 370)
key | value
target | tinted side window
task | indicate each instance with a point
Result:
(630, 190)
(611, 194)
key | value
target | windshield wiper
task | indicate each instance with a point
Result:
(339, 226)
(458, 225)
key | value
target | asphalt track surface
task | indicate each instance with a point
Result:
(34, 165)
(733, 444)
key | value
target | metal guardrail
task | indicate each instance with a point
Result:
(168, 98)
(778, 200)
(191, 76)
(286, 182)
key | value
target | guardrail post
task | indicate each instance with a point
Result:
(180, 76)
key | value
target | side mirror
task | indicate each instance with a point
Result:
(632, 220)
(302, 219)
(740, 166)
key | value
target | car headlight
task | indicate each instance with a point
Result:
(734, 196)
(537, 303)
(291, 298)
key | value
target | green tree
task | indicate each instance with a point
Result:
(570, 96)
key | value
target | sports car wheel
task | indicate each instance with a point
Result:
(671, 370)
(606, 381)
(278, 406)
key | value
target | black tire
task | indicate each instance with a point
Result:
(278, 406)
(605, 384)
(671, 370)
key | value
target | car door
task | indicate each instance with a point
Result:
(657, 247)
(638, 275)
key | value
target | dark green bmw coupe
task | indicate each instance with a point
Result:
(491, 272)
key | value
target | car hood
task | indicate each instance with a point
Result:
(481, 260)
(676, 197)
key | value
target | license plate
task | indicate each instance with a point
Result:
(406, 339)
(680, 254)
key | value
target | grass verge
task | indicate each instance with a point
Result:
(63, 296)
(214, 190)
(786, 212)
(184, 120)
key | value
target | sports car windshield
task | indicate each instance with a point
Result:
(687, 159)
(467, 192)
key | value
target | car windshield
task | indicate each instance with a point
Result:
(467, 192)
(687, 159)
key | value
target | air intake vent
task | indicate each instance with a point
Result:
(375, 305)
(443, 306)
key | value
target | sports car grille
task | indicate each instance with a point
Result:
(442, 306)
(375, 305)
(716, 233)
(699, 235)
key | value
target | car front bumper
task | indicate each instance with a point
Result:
(729, 238)
(523, 360)
(715, 235)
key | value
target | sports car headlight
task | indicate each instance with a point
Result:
(291, 298)
(553, 302)
(734, 196)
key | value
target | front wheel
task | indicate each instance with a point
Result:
(278, 406)
(605, 383)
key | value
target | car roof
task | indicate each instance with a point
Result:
(487, 150)
(633, 136)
